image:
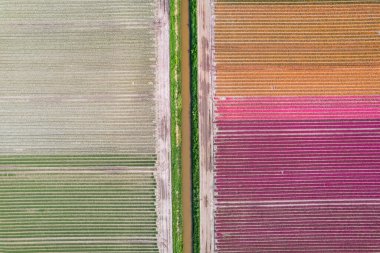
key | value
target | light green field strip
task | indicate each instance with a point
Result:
(78, 144)
(75, 161)
(62, 212)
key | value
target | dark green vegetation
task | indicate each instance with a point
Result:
(176, 123)
(194, 125)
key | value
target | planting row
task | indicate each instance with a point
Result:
(79, 157)
(296, 126)
(297, 108)
(77, 77)
(296, 48)
(77, 210)
(292, 172)
(311, 226)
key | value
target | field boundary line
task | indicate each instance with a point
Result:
(163, 175)
(205, 94)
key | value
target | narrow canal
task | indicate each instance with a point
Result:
(186, 146)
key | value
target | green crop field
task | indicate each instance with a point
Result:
(81, 210)
(78, 126)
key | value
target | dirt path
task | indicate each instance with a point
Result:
(164, 205)
(186, 154)
(205, 125)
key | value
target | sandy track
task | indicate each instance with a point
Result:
(205, 125)
(164, 204)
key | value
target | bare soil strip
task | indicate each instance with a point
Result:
(205, 77)
(164, 205)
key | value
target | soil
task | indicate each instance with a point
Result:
(163, 177)
(205, 125)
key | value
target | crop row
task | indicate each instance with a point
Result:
(309, 159)
(63, 212)
(295, 227)
(78, 144)
(78, 77)
(300, 49)
(291, 171)
(296, 126)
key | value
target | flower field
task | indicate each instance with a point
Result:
(296, 126)
(84, 146)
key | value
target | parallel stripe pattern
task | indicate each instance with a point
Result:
(80, 73)
(78, 144)
(297, 49)
(296, 126)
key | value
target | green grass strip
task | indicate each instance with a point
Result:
(176, 124)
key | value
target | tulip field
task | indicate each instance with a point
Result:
(296, 126)
(84, 163)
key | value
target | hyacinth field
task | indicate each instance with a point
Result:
(78, 126)
(296, 126)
